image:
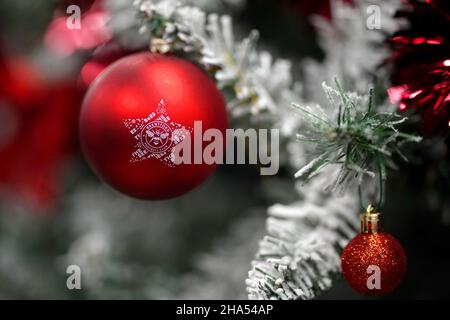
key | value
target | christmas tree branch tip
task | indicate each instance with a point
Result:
(354, 136)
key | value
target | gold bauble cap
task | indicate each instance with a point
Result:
(370, 220)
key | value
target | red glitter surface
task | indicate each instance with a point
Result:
(379, 249)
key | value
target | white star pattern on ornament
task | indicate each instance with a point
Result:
(156, 135)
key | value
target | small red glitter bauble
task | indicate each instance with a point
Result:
(373, 263)
(136, 111)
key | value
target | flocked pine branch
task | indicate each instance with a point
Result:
(358, 140)
(353, 51)
(102, 226)
(353, 54)
(254, 83)
(234, 6)
(300, 255)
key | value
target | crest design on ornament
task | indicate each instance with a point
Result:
(156, 135)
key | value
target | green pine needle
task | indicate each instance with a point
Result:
(359, 140)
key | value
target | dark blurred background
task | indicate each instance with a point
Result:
(54, 211)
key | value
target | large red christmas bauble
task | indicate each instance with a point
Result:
(373, 263)
(136, 111)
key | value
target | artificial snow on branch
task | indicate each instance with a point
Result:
(300, 255)
(102, 226)
(353, 51)
(299, 258)
(358, 139)
(254, 84)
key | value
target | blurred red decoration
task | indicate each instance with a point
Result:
(93, 29)
(131, 91)
(421, 60)
(37, 125)
(19, 76)
(101, 58)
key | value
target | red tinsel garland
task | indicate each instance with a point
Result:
(421, 60)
